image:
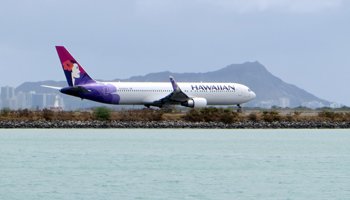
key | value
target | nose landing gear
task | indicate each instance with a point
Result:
(239, 110)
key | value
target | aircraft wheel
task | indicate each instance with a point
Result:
(239, 110)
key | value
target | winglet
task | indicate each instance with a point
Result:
(174, 84)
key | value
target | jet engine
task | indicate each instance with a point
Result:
(195, 103)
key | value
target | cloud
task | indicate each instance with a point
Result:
(298, 6)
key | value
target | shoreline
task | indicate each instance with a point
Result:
(69, 124)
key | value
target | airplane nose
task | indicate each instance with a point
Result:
(252, 95)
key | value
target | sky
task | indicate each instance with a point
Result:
(303, 42)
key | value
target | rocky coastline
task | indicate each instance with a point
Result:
(69, 124)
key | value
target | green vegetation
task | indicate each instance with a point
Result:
(334, 116)
(5, 112)
(210, 114)
(253, 117)
(141, 115)
(102, 114)
(47, 114)
(271, 116)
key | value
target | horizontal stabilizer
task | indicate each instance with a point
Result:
(52, 87)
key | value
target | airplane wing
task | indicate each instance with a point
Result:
(177, 96)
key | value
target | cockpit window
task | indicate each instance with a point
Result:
(249, 90)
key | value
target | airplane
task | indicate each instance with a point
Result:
(157, 94)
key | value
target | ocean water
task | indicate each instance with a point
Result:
(174, 164)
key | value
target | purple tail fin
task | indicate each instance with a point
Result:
(75, 73)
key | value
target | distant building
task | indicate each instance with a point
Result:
(50, 100)
(22, 100)
(336, 105)
(314, 104)
(7, 92)
(58, 104)
(54, 101)
(284, 102)
(38, 101)
(29, 100)
(8, 98)
(46, 100)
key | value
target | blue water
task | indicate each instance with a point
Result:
(174, 164)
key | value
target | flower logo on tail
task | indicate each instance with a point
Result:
(72, 67)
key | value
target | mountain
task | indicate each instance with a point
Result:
(270, 90)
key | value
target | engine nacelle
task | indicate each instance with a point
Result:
(196, 103)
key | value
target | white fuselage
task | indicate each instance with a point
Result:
(194, 95)
(132, 93)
